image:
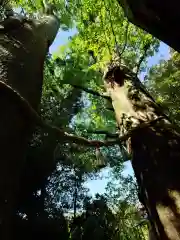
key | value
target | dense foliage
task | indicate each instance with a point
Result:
(163, 82)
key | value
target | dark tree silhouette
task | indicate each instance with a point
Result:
(23, 47)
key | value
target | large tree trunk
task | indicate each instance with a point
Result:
(151, 15)
(23, 47)
(155, 149)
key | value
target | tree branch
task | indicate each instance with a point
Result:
(94, 143)
(30, 113)
(108, 134)
(125, 42)
(110, 109)
(91, 91)
(67, 137)
(146, 47)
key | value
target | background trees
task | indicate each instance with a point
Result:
(162, 81)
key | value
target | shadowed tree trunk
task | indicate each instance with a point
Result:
(23, 47)
(155, 148)
(75, 195)
(151, 15)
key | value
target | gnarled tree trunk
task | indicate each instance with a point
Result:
(155, 148)
(23, 47)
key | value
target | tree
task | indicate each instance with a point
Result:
(141, 121)
(162, 81)
(52, 167)
(97, 222)
(147, 125)
(24, 44)
(132, 224)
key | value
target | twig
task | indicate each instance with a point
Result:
(104, 31)
(112, 28)
(125, 42)
(146, 47)
(113, 32)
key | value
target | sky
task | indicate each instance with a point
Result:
(98, 186)
(61, 39)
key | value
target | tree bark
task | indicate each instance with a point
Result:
(23, 47)
(155, 150)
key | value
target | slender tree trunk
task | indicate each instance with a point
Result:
(75, 196)
(155, 149)
(23, 47)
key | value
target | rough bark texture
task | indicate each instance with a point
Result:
(23, 46)
(160, 18)
(155, 150)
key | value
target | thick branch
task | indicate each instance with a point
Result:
(91, 92)
(94, 143)
(30, 113)
(108, 134)
(67, 137)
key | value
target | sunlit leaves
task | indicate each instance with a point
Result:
(104, 30)
(163, 81)
(36, 6)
